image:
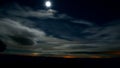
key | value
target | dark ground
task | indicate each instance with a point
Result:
(30, 59)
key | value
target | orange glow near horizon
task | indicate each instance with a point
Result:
(96, 56)
(113, 52)
(69, 57)
(35, 54)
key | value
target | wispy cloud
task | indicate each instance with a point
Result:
(83, 22)
(13, 31)
(27, 29)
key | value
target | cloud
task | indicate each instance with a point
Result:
(10, 27)
(77, 46)
(12, 31)
(43, 14)
(106, 34)
(51, 22)
(50, 32)
(22, 40)
(83, 22)
(2, 46)
(28, 12)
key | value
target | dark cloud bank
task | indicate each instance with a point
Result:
(47, 31)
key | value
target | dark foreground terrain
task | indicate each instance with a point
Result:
(35, 59)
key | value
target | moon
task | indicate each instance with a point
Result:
(48, 4)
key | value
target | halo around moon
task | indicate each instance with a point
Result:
(48, 4)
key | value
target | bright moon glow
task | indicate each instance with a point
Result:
(48, 4)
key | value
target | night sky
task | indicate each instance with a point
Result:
(68, 27)
(100, 11)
